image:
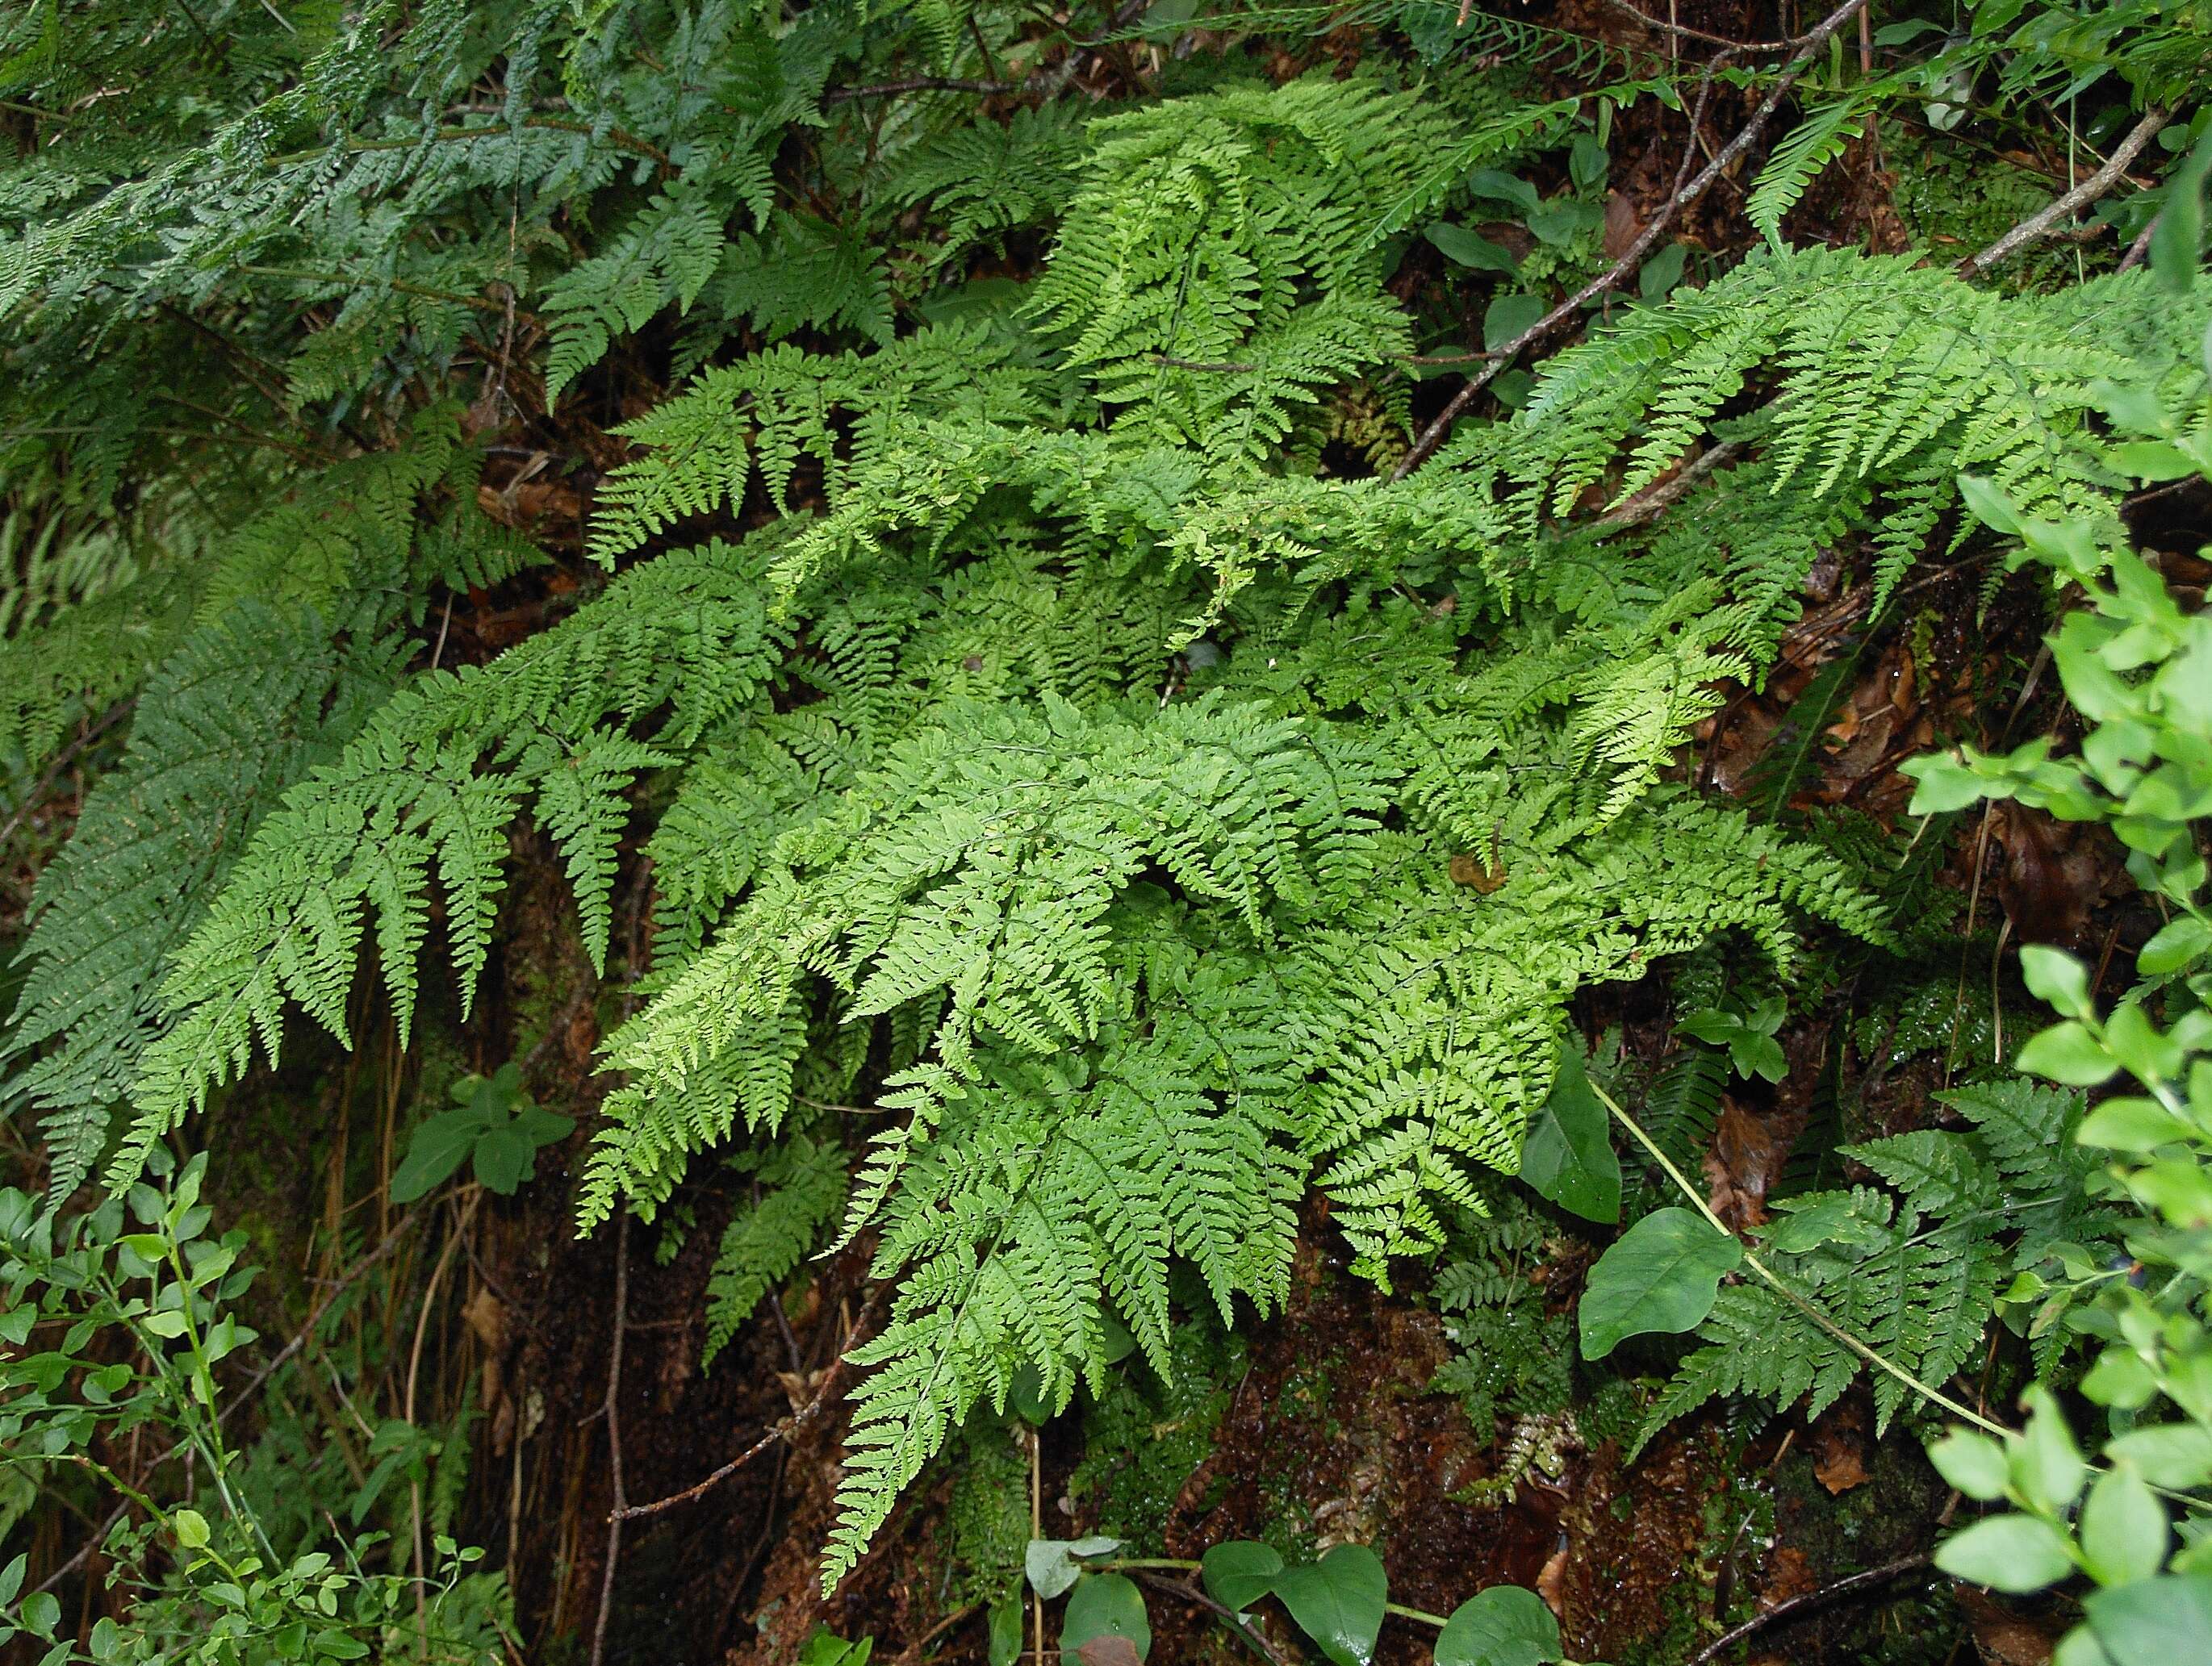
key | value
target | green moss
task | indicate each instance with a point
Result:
(1145, 1437)
(986, 1525)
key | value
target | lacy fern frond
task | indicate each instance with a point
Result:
(1880, 365)
(1182, 280)
(411, 793)
(1911, 1271)
(238, 714)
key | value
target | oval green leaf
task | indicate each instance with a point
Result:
(2014, 1554)
(1664, 1274)
(1104, 1605)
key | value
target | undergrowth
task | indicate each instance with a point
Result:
(1071, 792)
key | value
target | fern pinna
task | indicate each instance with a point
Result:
(1029, 738)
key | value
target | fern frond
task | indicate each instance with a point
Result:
(241, 712)
(689, 631)
(1798, 160)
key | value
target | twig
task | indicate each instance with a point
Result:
(1687, 191)
(1036, 1531)
(1681, 32)
(1648, 503)
(232, 1403)
(884, 90)
(2141, 246)
(414, 1369)
(63, 759)
(615, 1517)
(2037, 226)
(1773, 1282)
(784, 1429)
(1191, 1593)
(1048, 82)
(1873, 1576)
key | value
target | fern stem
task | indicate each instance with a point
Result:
(614, 136)
(398, 286)
(1933, 1396)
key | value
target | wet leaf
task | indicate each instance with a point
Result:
(1105, 1606)
(1567, 1156)
(1664, 1274)
(1337, 1601)
(1504, 1626)
(1238, 1573)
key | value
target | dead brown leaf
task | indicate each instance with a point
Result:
(1746, 1159)
(1840, 1450)
(1109, 1650)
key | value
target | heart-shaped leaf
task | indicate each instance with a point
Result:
(1337, 1601)
(1504, 1626)
(1568, 1155)
(1238, 1573)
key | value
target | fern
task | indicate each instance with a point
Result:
(238, 714)
(1077, 760)
(1798, 160)
(1912, 1269)
(667, 254)
(407, 795)
(802, 1183)
(986, 180)
(1200, 227)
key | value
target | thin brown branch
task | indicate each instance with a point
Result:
(2040, 225)
(616, 1518)
(232, 1403)
(1687, 191)
(1682, 32)
(2141, 246)
(1649, 503)
(1191, 1593)
(1873, 1576)
(784, 1429)
(67, 756)
(886, 89)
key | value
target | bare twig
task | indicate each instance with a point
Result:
(2141, 246)
(784, 1429)
(1873, 1576)
(63, 759)
(1191, 1593)
(1649, 503)
(884, 90)
(2038, 226)
(232, 1403)
(615, 1517)
(1687, 191)
(1047, 82)
(1681, 32)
